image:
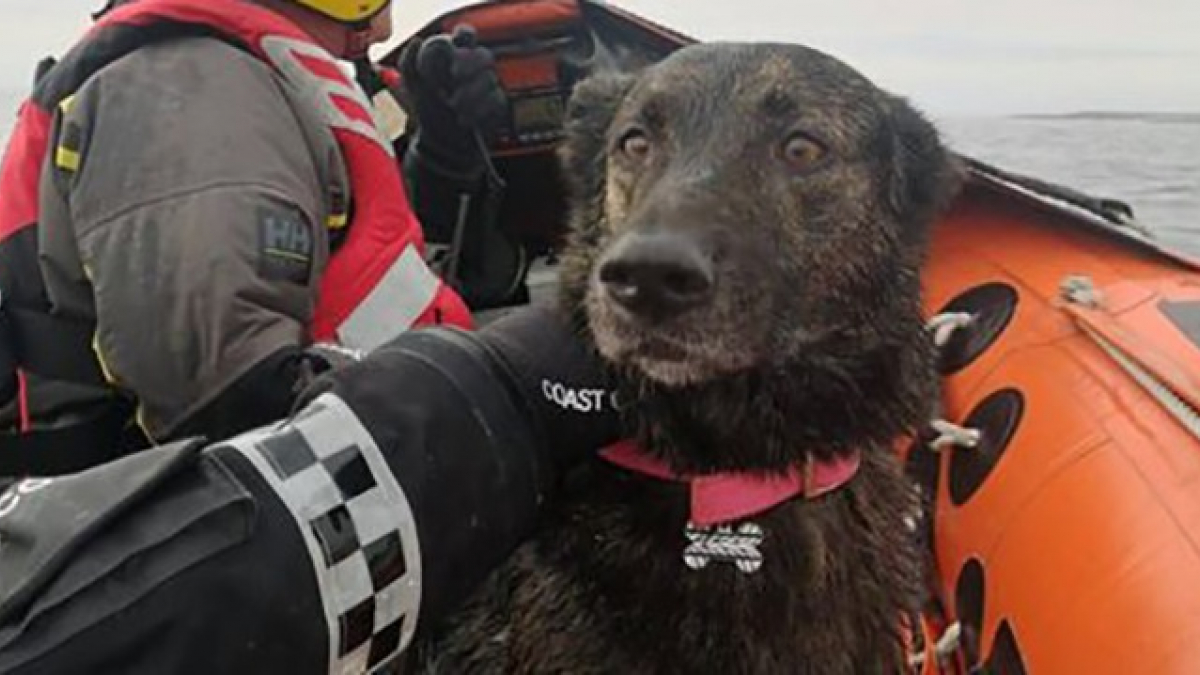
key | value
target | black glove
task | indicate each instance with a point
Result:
(455, 97)
(264, 393)
(455, 94)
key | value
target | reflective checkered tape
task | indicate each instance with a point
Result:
(356, 523)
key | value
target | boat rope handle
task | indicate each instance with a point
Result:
(946, 645)
(950, 641)
(952, 435)
(916, 660)
(1081, 290)
(944, 325)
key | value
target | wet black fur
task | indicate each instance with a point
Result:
(603, 587)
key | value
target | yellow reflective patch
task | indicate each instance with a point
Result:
(337, 221)
(65, 104)
(66, 159)
(70, 143)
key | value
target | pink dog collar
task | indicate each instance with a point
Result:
(727, 497)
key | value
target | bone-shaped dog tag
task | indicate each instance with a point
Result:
(723, 544)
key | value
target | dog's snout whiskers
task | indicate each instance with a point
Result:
(658, 275)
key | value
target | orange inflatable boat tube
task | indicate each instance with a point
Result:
(1065, 536)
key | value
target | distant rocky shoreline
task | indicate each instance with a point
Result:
(1162, 117)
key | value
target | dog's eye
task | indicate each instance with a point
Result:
(802, 152)
(634, 144)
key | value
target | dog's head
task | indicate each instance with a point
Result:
(739, 206)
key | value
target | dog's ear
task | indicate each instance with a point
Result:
(590, 112)
(925, 175)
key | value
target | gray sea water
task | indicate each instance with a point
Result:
(1152, 162)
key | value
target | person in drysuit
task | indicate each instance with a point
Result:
(199, 213)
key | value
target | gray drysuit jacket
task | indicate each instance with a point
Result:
(194, 229)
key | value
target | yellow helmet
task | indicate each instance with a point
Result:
(346, 11)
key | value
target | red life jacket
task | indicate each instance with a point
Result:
(376, 285)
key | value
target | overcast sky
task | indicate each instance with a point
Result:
(950, 56)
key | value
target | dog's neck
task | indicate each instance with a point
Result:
(775, 420)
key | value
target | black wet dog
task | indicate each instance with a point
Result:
(748, 229)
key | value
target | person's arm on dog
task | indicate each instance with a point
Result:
(314, 545)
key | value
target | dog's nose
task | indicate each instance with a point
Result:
(657, 275)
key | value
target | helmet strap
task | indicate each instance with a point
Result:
(358, 40)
